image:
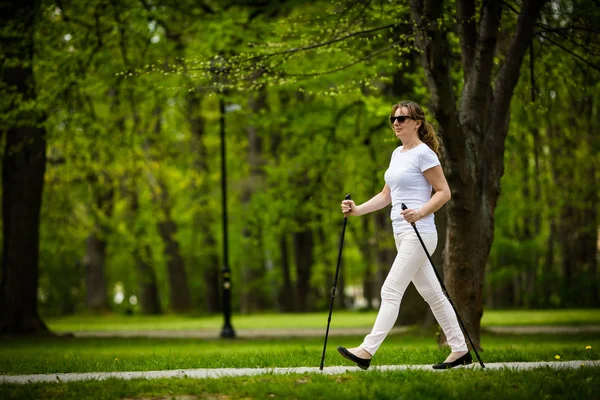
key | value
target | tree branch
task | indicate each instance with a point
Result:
(565, 29)
(568, 39)
(509, 73)
(509, 6)
(477, 92)
(504, 86)
(316, 45)
(596, 67)
(435, 53)
(465, 14)
(252, 78)
(336, 15)
(347, 65)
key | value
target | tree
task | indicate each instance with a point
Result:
(473, 127)
(23, 169)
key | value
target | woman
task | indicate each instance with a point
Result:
(413, 172)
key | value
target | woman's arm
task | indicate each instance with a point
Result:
(435, 176)
(377, 202)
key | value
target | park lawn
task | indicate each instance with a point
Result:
(30, 356)
(543, 383)
(340, 319)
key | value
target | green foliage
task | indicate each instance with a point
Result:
(125, 86)
(547, 215)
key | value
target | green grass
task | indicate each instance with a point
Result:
(341, 319)
(62, 355)
(20, 356)
(116, 322)
(582, 383)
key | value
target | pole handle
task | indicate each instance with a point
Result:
(347, 198)
(403, 206)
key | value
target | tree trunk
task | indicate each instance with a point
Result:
(147, 291)
(96, 298)
(178, 283)
(370, 256)
(386, 250)
(287, 299)
(586, 236)
(253, 295)
(203, 222)
(362, 232)
(180, 300)
(473, 134)
(466, 257)
(149, 298)
(95, 249)
(303, 256)
(549, 284)
(23, 169)
(589, 243)
(210, 268)
(535, 287)
(528, 227)
(148, 288)
(101, 208)
(577, 222)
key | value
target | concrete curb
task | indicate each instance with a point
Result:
(237, 372)
(520, 330)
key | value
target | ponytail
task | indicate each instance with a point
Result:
(428, 136)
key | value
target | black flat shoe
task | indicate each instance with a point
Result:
(463, 360)
(363, 363)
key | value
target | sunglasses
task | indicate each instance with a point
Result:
(400, 119)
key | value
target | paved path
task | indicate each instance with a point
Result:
(236, 372)
(240, 333)
(543, 329)
(291, 333)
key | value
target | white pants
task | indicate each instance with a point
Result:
(411, 264)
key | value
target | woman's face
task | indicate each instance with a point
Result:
(409, 126)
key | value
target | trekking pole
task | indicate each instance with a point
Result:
(444, 290)
(337, 271)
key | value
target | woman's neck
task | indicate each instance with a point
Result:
(410, 143)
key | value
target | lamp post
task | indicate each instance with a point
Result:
(227, 330)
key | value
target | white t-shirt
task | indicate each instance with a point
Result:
(408, 185)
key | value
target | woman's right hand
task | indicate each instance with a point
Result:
(349, 208)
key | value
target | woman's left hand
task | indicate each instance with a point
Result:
(411, 216)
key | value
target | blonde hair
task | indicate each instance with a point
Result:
(426, 132)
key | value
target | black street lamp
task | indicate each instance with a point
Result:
(227, 331)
